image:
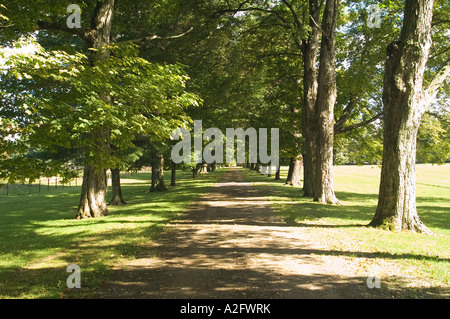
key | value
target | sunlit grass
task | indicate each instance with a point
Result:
(344, 228)
(40, 237)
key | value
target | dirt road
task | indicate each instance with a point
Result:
(231, 245)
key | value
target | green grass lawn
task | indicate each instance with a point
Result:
(343, 228)
(40, 237)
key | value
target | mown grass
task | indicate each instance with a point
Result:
(344, 228)
(40, 237)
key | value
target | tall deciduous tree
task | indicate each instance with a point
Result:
(325, 102)
(94, 187)
(116, 97)
(405, 100)
(310, 50)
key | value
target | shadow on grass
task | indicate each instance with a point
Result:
(40, 229)
(356, 207)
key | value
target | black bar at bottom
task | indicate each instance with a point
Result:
(226, 308)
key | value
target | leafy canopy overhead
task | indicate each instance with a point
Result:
(52, 99)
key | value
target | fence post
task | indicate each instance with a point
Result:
(7, 189)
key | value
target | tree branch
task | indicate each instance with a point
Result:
(279, 54)
(294, 14)
(361, 124)
(156, 37)
(6, 26)
(317, 26)
(345, 115)
(436, 83)
(439, 117)
(285, 24)
(44, 25)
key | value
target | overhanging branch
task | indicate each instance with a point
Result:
(358, 125)
(294, 14)
(436, 83)
(439, 117)
(54, 26)
(285, 24)
(345, 115)
(156, 37)
(6, 26)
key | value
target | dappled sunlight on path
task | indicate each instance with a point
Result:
(231, 245)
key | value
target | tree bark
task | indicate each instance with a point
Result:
(173, 175)
(93, 191)
(325, 102)
(117, 198)
(404, 105)
(277, 173)
(295, 170)
(158, 174)
(310, 51)
(290, 169)
(94, 187)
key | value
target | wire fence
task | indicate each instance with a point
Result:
(52, 184)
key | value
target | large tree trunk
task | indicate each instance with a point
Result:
(94, 187)
(117, 198)
(295, 170)
(404, 105)
(310, 51)
(93, 193)
(158, 174)
(326, 99)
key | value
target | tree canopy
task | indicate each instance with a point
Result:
(133, 71)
